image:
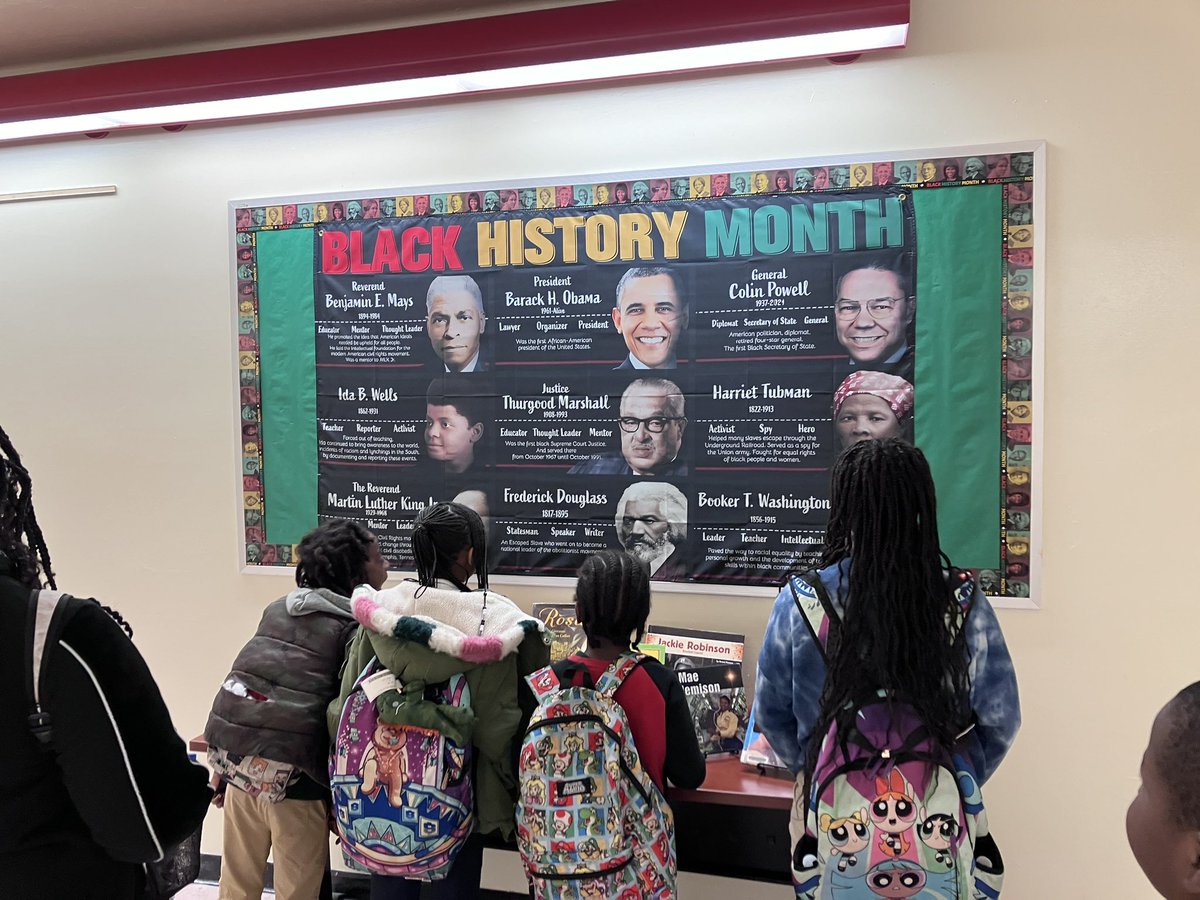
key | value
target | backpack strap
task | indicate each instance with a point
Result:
(617, 672)
(458, 692)
(45, 625)
(369, 669)
(815, 605)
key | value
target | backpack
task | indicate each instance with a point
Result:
(891, 813)
(401, 773)
(180, 864)
(591, 822)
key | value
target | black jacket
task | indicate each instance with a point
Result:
(294, 663)
(116, 787)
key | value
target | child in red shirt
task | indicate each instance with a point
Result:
(612, 604)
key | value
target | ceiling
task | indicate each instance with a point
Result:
(45, 35)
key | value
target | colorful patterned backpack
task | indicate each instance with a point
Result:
(591, 823)
(891, 813)
(400, 770)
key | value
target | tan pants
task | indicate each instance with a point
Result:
(298, 832)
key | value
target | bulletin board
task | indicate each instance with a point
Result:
(650, 360)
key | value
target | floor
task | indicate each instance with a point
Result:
(202, 891)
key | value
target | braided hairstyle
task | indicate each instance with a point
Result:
(902, 627)
(21, 540)
(334, 556)
(612, 597)
(440, 533)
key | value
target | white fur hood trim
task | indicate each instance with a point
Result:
(446, 621)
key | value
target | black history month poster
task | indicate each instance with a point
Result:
(668, 365)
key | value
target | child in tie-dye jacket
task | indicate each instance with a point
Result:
(900, 627)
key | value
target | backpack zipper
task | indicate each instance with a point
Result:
(580, 876)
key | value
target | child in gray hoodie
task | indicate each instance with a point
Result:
(266, 732)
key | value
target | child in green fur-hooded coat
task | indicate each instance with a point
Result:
(430, 629)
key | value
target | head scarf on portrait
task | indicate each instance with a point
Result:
(892, 389)
(872, 405)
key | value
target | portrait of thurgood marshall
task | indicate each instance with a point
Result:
(873, 316)
(651, 315)
(651, 523)
(651, 423)
(455, 322)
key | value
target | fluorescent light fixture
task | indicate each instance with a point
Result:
(688, 59)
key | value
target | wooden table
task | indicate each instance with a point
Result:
(735, 824)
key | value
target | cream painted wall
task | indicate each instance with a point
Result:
(118, 381)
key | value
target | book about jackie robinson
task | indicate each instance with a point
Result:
(708, 665)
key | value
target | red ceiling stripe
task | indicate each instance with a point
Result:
(555, 35)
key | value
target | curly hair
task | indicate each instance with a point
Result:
(672, 505)
(1176, 758)
(334, 556)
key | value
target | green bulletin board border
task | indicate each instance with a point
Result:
(276, 352)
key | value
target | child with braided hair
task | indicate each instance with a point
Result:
(612, 604)
(897, 624)
(109, 786)
(604, 704)
(432, 629)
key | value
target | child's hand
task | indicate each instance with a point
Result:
(218, 789)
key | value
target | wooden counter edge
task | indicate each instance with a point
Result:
(728, 783)
(731, 783)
